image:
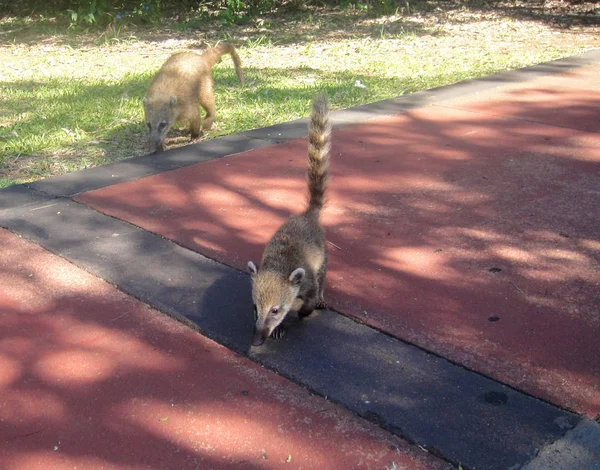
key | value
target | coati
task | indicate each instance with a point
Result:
(294, 261)
(183, 82)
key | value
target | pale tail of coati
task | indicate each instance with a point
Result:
(295, 259)
(179, 88)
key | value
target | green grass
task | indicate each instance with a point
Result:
(81, 118)
(69, 102)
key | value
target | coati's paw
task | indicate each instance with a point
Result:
(278, 333)
(321, 304)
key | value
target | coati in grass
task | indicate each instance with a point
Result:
(183, 83)
(294, 261)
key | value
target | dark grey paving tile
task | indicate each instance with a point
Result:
(280, 132)
(19, 195)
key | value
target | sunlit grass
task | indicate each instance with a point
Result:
(56, 125)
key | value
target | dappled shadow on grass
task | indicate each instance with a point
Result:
(42, 32)
(474, 236)
(313, 23)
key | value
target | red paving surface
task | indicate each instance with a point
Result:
(92, 379)
(543, 100)
(421, 207)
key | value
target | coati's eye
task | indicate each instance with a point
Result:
(149, 125)
(274, 310)
(162, 125)
(255, 311)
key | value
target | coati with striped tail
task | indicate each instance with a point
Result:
(295, 259)
(183, 83)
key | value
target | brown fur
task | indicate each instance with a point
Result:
(182, 84)
(295, 259)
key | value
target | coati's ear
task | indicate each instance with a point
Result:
(252, 268)
(173, 100)
(297, 276)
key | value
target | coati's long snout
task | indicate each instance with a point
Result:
(260, 334)
(259, 337)
(294, 261)
(159, 119)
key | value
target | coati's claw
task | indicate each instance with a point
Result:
(321, 305)
(278, 332)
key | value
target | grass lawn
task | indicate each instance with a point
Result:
(71, 100)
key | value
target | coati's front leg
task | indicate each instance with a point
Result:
(191, 113)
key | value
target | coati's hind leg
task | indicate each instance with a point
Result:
(320, 301)
(195, 124)
(207, 101)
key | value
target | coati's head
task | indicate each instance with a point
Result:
(160, 116)
(273, 296)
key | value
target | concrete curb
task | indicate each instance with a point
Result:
(578, 449)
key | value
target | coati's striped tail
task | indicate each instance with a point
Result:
(319, 143)
(214, 54)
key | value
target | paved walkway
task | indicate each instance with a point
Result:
(464, 280)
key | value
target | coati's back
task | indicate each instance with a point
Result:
(299, 242)
(179, 76)
(295, 259)
(182, 73)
